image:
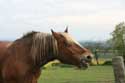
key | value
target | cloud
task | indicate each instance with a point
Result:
(84, 17)
(105, 17)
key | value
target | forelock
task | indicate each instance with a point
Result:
(70, 39)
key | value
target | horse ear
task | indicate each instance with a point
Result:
(54, 33)
(66, 31)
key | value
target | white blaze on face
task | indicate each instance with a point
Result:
(70, 39)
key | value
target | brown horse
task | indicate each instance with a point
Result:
(25, 56)
(3, 47)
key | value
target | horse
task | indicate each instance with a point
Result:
(3, 47)
(25, 56)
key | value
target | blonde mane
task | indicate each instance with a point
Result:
(43, 45)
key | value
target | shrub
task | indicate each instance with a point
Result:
(61, 65)
(109, 62)
(66, 66)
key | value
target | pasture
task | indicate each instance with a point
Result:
(94, 74)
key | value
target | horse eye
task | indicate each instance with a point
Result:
(66, 44)
(61, 36)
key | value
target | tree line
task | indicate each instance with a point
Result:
(115, 43)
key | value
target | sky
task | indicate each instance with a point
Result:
(92, 20)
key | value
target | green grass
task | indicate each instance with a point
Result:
(94, 74)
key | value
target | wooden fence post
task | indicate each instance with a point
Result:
(119, 69)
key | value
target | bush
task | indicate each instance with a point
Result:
(56, 64)
(43, 67)
(107, 63)
(93, 64)
(66, 66)
(61, 65)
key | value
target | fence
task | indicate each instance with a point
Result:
(117, 62)
(119, 69)
(106, 55)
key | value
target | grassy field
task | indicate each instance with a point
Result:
(95, 74)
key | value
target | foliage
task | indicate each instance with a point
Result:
(118, 39)
(109, 62)
(56, 63)
(52, 63)
(61, 65)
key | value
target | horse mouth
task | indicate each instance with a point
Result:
(83, 65)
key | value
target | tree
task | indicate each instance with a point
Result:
(118, 39)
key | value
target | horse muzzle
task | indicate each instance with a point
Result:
(84, 62)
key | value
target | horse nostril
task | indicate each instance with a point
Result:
(89, 57)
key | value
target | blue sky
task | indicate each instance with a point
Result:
(87, 19)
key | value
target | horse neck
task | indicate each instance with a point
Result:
(44, 49)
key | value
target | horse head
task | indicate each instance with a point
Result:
(70, 51)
